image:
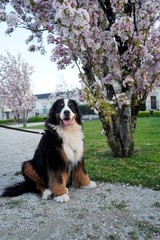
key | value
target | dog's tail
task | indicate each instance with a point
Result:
(18, 189)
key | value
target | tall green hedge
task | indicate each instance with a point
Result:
(149, 113)
(36, 119)
(7, 121)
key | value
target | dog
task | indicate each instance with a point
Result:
(59, 158)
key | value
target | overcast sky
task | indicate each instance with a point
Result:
(46, 75)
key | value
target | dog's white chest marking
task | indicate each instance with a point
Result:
(73, 144)
(73, 150)
(74, 147)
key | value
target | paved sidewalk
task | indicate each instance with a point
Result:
(28, 124)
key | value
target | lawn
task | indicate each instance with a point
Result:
(141, 169)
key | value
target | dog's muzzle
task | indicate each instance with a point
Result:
(67, 114)
(67, 118)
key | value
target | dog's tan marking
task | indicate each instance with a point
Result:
(79, 176)
(33, 175)
(63, 154)
(59, 183)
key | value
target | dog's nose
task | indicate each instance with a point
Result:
(67, 113)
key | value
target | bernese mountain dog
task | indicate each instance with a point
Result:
(59, 158)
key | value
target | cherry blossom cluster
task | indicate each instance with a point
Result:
(124, 28)
(118, 6)
(115, 46)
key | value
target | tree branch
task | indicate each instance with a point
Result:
(106, 7)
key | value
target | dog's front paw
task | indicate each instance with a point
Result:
(63, 198)
(47, 194)
(90, 185)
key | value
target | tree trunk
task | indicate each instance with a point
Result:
(119, 131)
(16, 117)
(24, 122)
(25, 116)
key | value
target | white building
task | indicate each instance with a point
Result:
(153, 100)
(5, 112)
(44, 103)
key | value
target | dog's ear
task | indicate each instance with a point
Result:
(52, 119)
(78, 113)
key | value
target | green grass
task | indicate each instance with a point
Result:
(141, 169)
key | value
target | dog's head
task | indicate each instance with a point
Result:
(64, 112)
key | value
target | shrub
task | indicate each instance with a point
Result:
(36, 119)
(148, 113)
(7, 121)
(156, 113)
(144, 114)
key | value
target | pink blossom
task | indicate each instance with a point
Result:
(122, 51)
(15, 86)
(128, 81)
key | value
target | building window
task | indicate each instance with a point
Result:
(7, 115)
(45, 109)
(153, 102)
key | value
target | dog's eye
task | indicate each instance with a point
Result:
(60, 106)
(71, 106)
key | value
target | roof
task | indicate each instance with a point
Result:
(43, 95)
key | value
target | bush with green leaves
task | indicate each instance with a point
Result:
(7, 121)
(149, 114)
(37, 119)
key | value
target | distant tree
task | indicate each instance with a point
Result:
(114, 43)
(62, 91)
(15, 86)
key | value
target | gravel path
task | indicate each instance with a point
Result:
(109, 212)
